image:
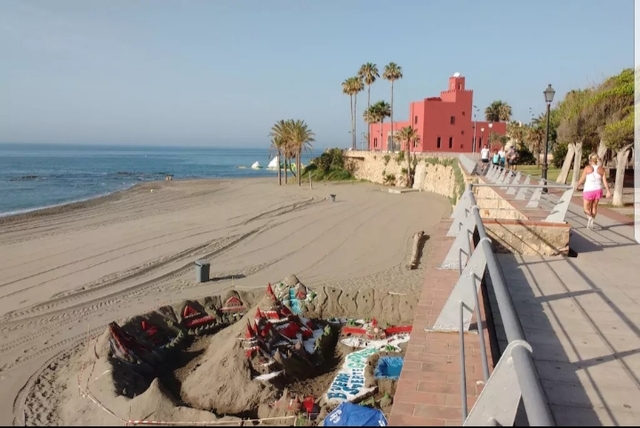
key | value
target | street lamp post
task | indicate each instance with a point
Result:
(473, 146)
(482, 136)
(489, 137)
(548, 97)
(475, 129)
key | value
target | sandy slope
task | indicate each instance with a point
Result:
(66, 273)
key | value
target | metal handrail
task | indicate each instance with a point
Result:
(502, 178)
(528, 186)
(536, 406)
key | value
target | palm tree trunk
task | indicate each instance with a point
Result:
(352, 116)
(392, 143)
(381, 122)
(353, 136)
(285, 169)
(368, 123)
(279, 172)
(409, 183)
(298, 169)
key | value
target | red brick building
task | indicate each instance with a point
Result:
(444, 123)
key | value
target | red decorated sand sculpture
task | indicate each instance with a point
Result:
(150, 337)
(372, 331)
(277, 335)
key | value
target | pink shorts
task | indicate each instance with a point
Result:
(592, 195)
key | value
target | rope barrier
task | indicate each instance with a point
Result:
(85, 393)
(227, 422)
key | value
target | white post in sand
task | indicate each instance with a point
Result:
(310, 186)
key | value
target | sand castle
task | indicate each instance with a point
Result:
(275, 358)
(279, 339)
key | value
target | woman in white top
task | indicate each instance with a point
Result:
(594, 180)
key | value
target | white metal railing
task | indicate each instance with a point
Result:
(522, 187)
(514, 376)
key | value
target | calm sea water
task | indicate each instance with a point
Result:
(36, 176)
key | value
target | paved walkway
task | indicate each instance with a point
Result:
(582, 317)
(429, 388)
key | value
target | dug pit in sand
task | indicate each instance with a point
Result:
(202, 360)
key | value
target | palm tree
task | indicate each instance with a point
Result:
(357, 86)
(277, 144)
(368, 73)
(300, 138)
(377, 113)
(498, 111)
(392, 72)
(352, 86)
(535, 135)
(408, 135)
(280, 135)
(347, 90)
(371, 115)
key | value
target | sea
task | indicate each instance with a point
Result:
(34, 176)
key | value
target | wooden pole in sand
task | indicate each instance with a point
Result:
(416, 245)
(310, 186)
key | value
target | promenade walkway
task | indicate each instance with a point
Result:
(580, 314)
(582, 317)
(429, 389)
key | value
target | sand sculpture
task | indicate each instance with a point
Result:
(271, 358)
(279, 340)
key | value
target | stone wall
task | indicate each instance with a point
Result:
(493, 206)
(434, 172)
(528, 238)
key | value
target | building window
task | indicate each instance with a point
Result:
(462, 146)
(461, 132)
(452, 120)
(415, 119)
(438, 142)
(480, 141)
(375, 142)
(415, 143)
(451, 142)
(463, 113)
(459, 86)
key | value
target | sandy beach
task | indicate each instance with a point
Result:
(65, 273)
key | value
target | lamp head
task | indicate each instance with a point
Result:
(490, 125)
(482, 129)
(548, 94)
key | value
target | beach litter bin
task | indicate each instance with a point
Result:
(202, 270)
(333, 198)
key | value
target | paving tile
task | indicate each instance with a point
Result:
(582, 318)
(429, 389)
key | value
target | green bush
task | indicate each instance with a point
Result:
(525, 157)
(559, 153)
(328, 166)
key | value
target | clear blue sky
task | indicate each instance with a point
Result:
(220, 72)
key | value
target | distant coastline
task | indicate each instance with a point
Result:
(56, 208)
(93, 201)
(43, 177)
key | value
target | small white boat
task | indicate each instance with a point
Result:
(256, 165)
(273, 164)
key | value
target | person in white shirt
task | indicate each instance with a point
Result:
(594, 180)
(484, 154)
(501, 155)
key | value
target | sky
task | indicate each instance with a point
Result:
(221, 72)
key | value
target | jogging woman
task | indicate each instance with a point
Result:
(594, 180)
